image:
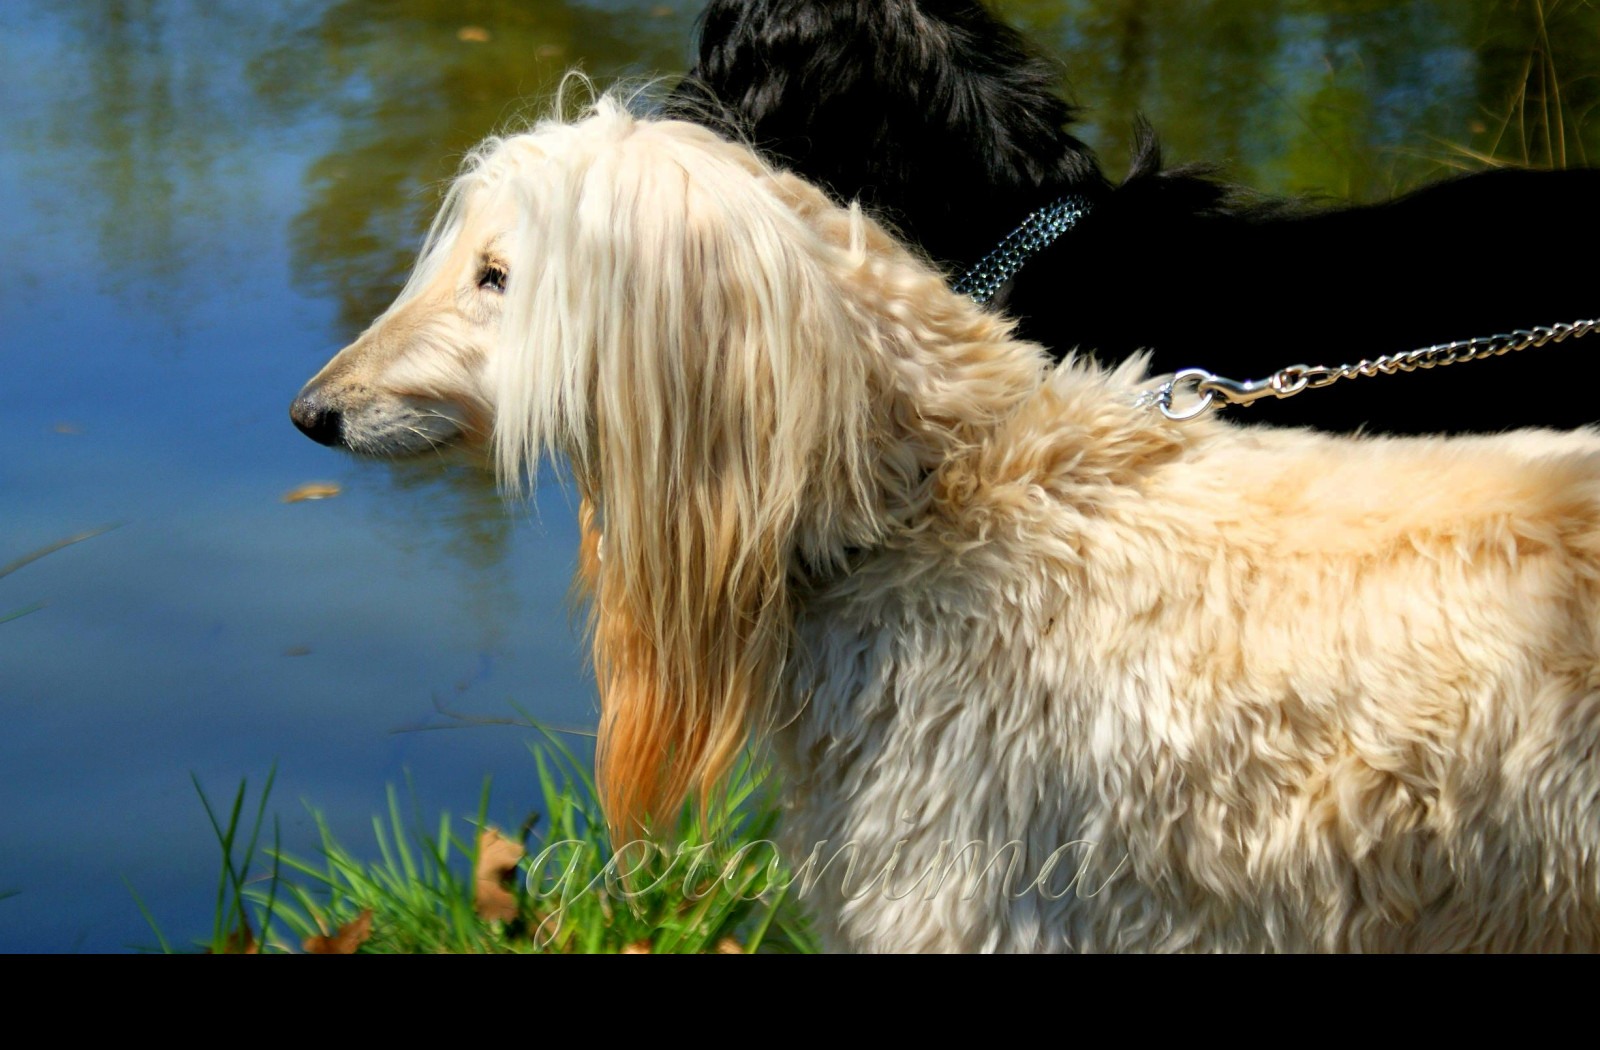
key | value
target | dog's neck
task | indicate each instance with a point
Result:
(980, 417)
(946, 375)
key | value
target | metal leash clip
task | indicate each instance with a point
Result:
(1208, 388)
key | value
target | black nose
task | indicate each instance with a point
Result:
(318, 421)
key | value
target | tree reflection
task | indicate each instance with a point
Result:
(128, 114)
(1353, 98)
(413, 84)
(1537, 83)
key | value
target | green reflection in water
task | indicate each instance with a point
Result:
(129, 119)
(1351, 98)
(413, 84)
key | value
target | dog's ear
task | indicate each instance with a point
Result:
(678, 334)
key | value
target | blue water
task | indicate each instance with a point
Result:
(202, 201)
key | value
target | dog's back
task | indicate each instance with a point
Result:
(1251, 690)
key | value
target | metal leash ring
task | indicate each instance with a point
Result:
(1162, 396)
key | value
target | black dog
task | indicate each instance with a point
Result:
(939, 118)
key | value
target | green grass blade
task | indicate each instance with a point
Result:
(17, 614)
(272, 886)
(400, 835)
(166, 949)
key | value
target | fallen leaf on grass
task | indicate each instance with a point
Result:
(240, 942)
(729, 946)
(637, 948)
(497, 863)
(473, 35)
(351, 936)
(312, 490)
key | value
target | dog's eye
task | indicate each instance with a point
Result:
(492, 278)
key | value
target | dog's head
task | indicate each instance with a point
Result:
(748, 380)
(418, 378)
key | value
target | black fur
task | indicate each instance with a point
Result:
(939, 118)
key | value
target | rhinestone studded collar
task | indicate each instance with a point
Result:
(1037, 232)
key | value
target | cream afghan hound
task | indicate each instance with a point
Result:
(1043, 669)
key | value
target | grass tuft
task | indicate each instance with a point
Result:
(716, 887)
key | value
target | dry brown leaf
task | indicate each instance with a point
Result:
(312, 490)
(351, 936)
(637, 948)
(240, 942)
(497, 863)
(473, 34)
(729, 946)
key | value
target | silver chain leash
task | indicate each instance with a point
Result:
(1296, 379)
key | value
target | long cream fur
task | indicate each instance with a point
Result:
(1252, 689)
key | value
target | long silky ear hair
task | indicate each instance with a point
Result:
(676, 329)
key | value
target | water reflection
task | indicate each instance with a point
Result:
(447, 510)
(141, 128)
(414, 84)
(1352, 98)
